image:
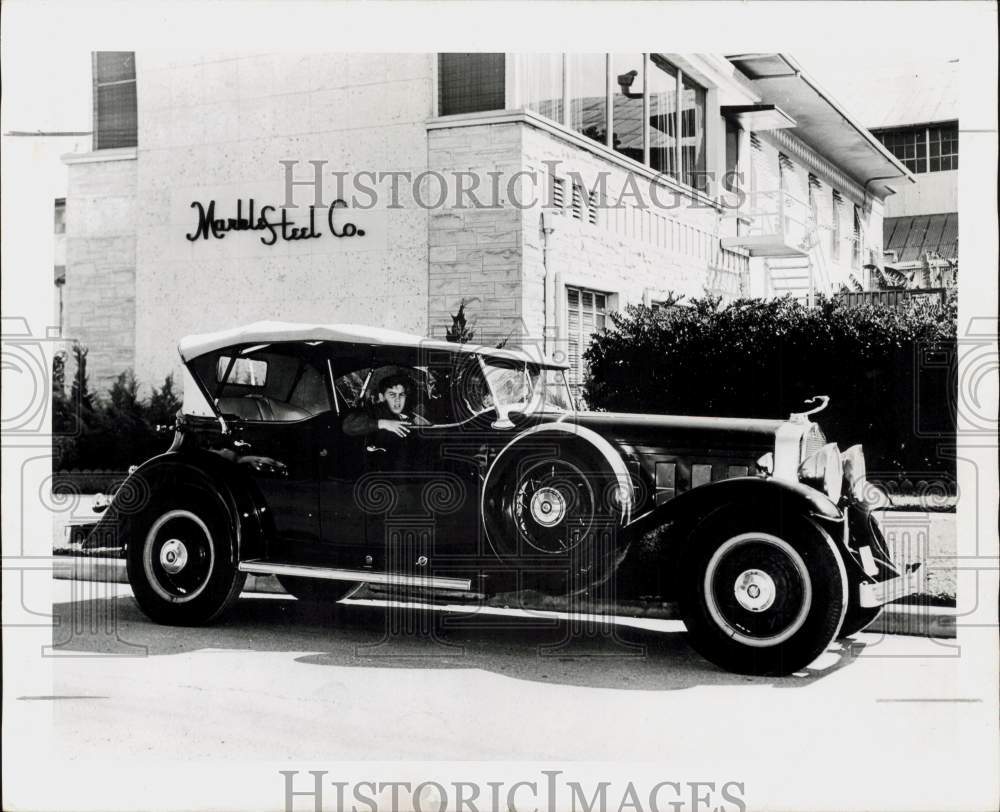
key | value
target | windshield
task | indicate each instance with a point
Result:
(528, 386)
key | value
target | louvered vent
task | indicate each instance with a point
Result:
(584, 205)
(558, 193)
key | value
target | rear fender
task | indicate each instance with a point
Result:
(205, 472)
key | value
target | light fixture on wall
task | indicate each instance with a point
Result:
(625, 81)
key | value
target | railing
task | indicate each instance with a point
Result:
(775, 214)
(892, 297)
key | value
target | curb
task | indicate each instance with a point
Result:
(919, 621)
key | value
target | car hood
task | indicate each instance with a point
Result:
(681, 431)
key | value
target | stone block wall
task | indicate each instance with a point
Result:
(99, 296)
(476, 252)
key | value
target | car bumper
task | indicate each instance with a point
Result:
(880, 593)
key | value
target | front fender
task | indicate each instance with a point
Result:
(204, 471)
(774, 494)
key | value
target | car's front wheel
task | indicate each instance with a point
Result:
(180, 561)
(761, 595)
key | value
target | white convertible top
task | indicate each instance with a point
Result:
(268, 332)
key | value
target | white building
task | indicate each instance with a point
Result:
(604, 180)
(920, 127)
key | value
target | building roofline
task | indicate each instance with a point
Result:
(798, 72)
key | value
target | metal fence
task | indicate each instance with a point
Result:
(892, 298)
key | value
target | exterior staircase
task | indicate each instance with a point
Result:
(790, 276)
(781, 232)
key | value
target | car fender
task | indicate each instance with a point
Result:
(204, 471)
(691, 507)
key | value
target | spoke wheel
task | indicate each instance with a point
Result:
(554, 507)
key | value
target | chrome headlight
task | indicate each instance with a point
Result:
(855, 474)
(823, 469)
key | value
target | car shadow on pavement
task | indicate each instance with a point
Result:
(556, 649)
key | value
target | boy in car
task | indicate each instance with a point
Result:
(390, 414)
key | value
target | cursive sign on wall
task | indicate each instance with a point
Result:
(275, 228)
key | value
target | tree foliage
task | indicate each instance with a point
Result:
(110, 432)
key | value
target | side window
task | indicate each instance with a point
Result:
(271, 384)
(310, 392)
(350, 387)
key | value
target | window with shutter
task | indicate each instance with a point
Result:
(586, 314)
(115, 123)
(838, 202)
(471, 83)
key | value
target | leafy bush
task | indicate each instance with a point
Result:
(889, 372)
(107, 433)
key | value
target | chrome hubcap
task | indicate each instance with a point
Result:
(754, 590)
(548, 507)
(173, 556)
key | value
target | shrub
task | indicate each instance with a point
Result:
(108, 433)
(763, 358)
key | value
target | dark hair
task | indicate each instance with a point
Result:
(399, 379)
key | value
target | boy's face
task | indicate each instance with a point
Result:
(395, 398)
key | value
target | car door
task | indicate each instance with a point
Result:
(422, 491)
(342, 461)
(278, 402)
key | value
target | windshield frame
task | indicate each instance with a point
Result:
(536, 386)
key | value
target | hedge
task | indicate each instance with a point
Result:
(105, 432)
(890, 373)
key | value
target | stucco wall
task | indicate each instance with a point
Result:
(215, 128)
(99, 296)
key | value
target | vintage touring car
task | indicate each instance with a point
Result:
(338, 455)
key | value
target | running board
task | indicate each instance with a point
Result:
(259, 567)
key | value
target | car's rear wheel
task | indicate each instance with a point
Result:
(316, 590)
(180, 561)
(760, 595)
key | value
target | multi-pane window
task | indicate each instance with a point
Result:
(910, 146)
(628, 99)
(114, 99)
(662, 116)
(588, 88)
(470, 83)
(943, 147)
(542, 84)
(586, 314)
(693, 134)
(925, 148)
(637, 104)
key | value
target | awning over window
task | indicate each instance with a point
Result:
(911, 237)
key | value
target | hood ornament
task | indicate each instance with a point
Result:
(803, 417)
